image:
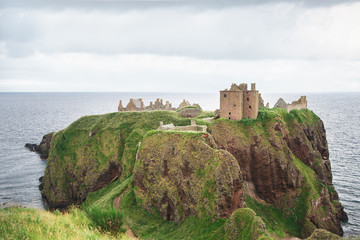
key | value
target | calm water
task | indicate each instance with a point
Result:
(26, 117)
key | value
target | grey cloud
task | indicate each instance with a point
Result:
(125, 5)
(269, 31)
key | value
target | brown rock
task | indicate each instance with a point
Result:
(180, 175)
(43, 148)
(267, 157)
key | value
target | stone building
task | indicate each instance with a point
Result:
(184, 103)
(299, 104)
(133, 105)
(159, 105)
(239, 102)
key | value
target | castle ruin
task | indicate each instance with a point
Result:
(159, 105)
(239, 102)
(299, 104)
(133, 105)
(138, 105)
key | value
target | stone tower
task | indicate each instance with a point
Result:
(239, 102)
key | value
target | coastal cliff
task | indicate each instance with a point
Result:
(277, 165)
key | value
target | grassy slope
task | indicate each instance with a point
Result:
(26, 223)
(152, 226)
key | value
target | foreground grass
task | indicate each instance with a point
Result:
(153, 226)
(26, 223)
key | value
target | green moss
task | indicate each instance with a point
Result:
(205, 114)
(244, 224)
(187, 107)
(275, 219)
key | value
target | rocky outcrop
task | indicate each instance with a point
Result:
(251, 226)
(95, 150)
(43, 148)
(71, 173)
(284, 158)
(180, 175)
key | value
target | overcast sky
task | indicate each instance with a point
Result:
(179, 46)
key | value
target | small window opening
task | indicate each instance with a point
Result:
(234, 105)
(224, 95)
(250, 107)
(229, 113)
(247, 99)
(229, 117)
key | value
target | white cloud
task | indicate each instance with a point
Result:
(282, 46)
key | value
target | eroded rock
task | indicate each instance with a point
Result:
(43, 148)
(180, 175)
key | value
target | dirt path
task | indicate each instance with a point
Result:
(128, 232)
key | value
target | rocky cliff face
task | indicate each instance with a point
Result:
(181, 175)
(72, 172)
(95, 150)
(284, 160)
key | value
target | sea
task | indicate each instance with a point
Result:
(26, 117)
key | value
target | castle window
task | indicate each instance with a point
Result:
(229, 117)
(229, 113)
(250, 107)
(224, 95)
(234, 105)
(247, 99)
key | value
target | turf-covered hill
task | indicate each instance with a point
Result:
(249, 179)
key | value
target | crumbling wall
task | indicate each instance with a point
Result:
(299, 104)
(193, 127)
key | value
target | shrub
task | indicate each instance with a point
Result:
(106, 220)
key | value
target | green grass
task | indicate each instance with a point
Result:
(106, 219)
(104, 197)
(26, 223)
(275, 220)
(205, 114)
(187, 107)
(153, 226)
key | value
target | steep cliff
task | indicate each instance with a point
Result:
(180, 175)
(284, 161)
(95, 150)
(277, 165)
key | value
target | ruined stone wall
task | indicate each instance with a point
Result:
(299, 104)
(131, 107)
(231, 105)
(193, 127)
(251, 104)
